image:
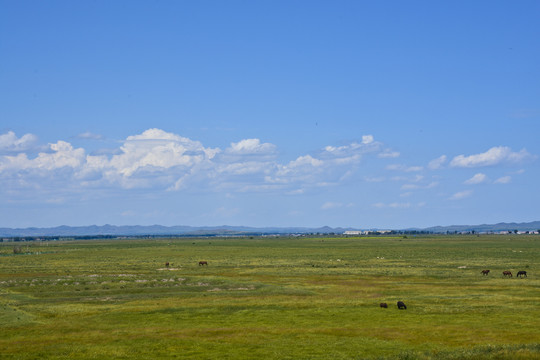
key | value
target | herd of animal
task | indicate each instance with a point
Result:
(507, 273)
(400, 304)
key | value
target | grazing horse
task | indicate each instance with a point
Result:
(485, 272)
(507, 273)
(384, 305)
(401, 305)
(167, 264)
(521, 273)
(203, 263)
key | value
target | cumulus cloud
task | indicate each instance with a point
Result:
(304, 169)
(61, 155)
(494, 156)
(329, 166)
(156, 150)
(476, 179)
(251, 146)
(162, 160)
(9, 142)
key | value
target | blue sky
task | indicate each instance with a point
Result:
(269, 113)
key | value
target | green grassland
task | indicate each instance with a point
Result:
(271, 298)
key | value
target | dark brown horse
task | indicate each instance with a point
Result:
(521, 273)
(485, 272)
(507, 273)
(201, 263)
(167, 264)
(401, 305)
(384, 305)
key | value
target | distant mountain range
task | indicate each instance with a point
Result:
(530, 226)
(138, 230)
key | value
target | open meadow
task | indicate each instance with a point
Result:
(271, 298)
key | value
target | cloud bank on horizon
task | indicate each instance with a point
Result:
(157, 161)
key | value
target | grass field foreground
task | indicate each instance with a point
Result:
(271, 298)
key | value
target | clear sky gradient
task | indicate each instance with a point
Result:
(360, 114)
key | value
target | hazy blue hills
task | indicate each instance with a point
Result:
(529, 226)
(138, 230)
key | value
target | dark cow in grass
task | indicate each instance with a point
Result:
(521, 273)
(384, 305)
(401, 305)
(485, 272)
(167, 264)
(507, 273)
(201, 263)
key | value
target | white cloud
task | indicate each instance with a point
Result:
(303, 161)
(461, 195)
(9, 142)
(437, 163)
(476, 179)
(156, 150)
(162, 160)
(367, 139)
(245, 168)
(493, 156)
(61, 155)
(351, 153)
(503, 180)
(251, 146)
(331, 165)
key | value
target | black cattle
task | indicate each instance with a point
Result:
(401, 305)
(383, 305)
